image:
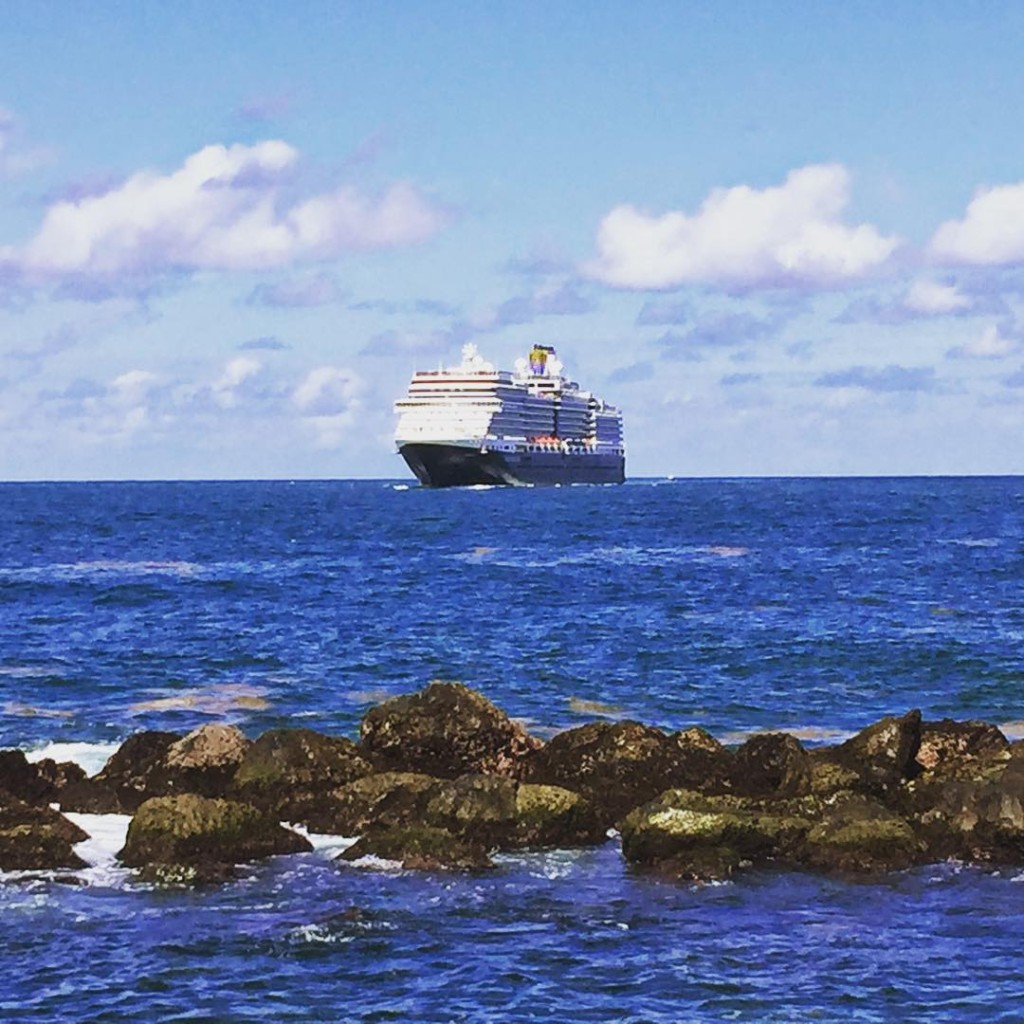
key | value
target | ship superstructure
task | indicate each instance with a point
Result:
(474, 424)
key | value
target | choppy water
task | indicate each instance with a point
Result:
(815, 606)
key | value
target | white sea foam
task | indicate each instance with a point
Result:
(373, 863)
(324, 845)
(90, 756)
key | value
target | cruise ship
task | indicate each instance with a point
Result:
(472, 424)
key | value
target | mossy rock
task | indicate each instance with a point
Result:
(690, 834)
(289, 771)
(860, 835)
(381, 800)
(421, 848)
(37, 838)
(192, 830)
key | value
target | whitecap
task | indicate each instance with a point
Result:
(372, 862)
(323, 845)
(89, 756)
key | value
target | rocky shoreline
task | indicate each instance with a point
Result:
(442, 778)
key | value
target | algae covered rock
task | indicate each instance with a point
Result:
(859, 835)
(877, 761)
(975, 813)
(618, 766)
(129, 776)
(445, 730)
(948, 747)
(506, 815)
(771, 764)
(421, 848)
(381, 800)
(194, 830)
(36, 838)
(483, 806)
(289, 771)
(549, 816)
(23, 780)
(692, 835)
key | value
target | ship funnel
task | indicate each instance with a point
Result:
(539, 358)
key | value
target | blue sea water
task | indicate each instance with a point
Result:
(814, 606)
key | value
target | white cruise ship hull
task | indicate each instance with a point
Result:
(449, 465)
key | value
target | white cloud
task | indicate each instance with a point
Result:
(220, 210)
(990, 344)
(788, 235)
(932, 298)
(132, 387)
(991, 231)
(329, 400)
(226, 388)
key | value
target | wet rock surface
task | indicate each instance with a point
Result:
(199, 831)
(291, 771)
(421, 848)
(445, 730)
(618, 766)
(442, 779)
(36, 838)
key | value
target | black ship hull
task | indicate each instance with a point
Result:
(448, 465)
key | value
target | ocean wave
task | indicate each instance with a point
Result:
(91, 757)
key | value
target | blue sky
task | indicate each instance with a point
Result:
(784, 238)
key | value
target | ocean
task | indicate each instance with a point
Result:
(813, 606)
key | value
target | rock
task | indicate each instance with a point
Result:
(132, 773)
(860, 835)
(187, 875)
(382, 800)
(771, 764)
(619, 766)
(480, 806)
(421, 848)
(203, 762)
(197, 831)
(59, 774)
(21, 779)
(692, 835)
(877, 761)
(36, 838)
(88, 796)
(975, 813)
(289, 771)
(953, 748)
(445, 730)
(549, 816)
(506, 815)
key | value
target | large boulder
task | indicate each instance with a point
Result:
(291, 771)
(973, 813)
(549, 816)
(953, 748)
(771, 764)
(421, 848)
(619, 766)
(506, 815)
(857, 834)
(22, 779)
(36, 838)
(131, 775)
(876, 762)
(192, 830)
(203, 762)
(444, 730)
(696, 836)
(381, 800)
